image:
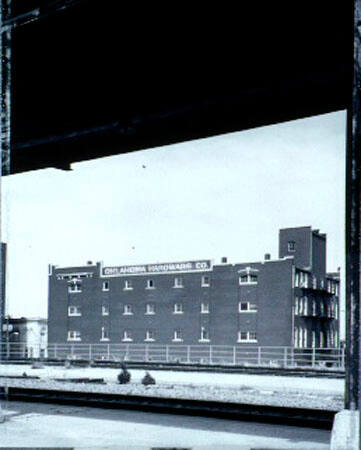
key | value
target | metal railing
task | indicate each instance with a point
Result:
(178, 353)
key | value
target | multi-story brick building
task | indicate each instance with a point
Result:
(289, 301)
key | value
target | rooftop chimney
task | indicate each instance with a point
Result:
(224, 260)
(267, 256)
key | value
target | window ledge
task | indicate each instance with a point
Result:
(178, 312)
(128, 314)
(247, 341)
(149, 340)
(150, 288)
(74, 339)
(178, 287)
(205, 285)
(74, 292)
(127, 340)
(247, 312)
(149, 314)
(105, 314)
(204, 340)
(105, 340)
(177, 340)
(128, 289)
(248, 283)
(74, 315)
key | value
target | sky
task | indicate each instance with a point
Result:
(221, 196)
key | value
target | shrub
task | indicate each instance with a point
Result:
(148, 379)
(124, 376)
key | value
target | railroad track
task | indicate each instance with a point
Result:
(251, 370)
(315, 418)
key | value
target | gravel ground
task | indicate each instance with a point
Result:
(240, 394)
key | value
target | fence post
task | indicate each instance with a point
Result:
(90, 352)
(146, 355)
(108, 352)
(234, 355)
(55, 351)
(285, 356)
(259, 356)
(166, 353)
(188, 354)
(313, 357)
(210, 354)
(126, 356)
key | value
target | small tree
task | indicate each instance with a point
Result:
(124, 376)
(148, 379)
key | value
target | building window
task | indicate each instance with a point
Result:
(149, 336)
(105, 310)
(297, 306)
(204, 335)
(74, 336)
(105, 334)
(127, 336)
(149, 308)
(105, 286)
(177, 336)
(247, 336)
(206, 281)
(248, 279)
(329, 288)
(305, 306)
(314, 311)
(313, 336)
(300, 338)
(314, 282)
(204, 308)
(246, 307)
(297, 279)
(74, 311)
(150, 284)
(305, 338)
(128, 286)
(303, 280)
(76, 287)
(178, 282)
(127, 310)
(178, 308)
(291, 246)
(296, 337)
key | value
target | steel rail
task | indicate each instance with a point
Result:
(214, 368)
(303, 417)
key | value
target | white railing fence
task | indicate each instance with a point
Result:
(189, 354)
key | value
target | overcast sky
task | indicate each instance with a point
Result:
(214, 197)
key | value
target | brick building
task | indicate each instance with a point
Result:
(289, 301)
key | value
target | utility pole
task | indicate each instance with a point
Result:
(346, 430)
(5, 138)
(353, 212)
